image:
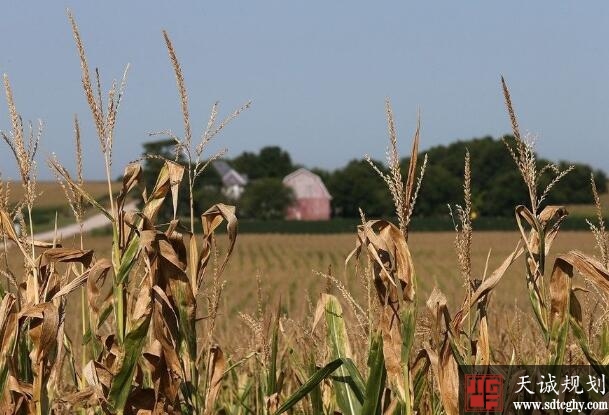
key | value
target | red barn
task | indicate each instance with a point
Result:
(312, 199)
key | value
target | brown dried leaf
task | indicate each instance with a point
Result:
(95, 281)
(72, 285)
(167, 372)
(590, 268)
(131, 177)
(8, 322)
(176, 172)
(216, 367)
(6, 226)
(395, 282)
(446, 369)
(43, 329)
(83, 397)
(487, 286)
(98, 376)
(440, 353)
(388, 250)
(212, 218)
(549, 221)
(44, 323)
(168, 180)
(560, 294)
(8, 336)
(412, 169)
(66, 255)
(174, 306)
(483, 348)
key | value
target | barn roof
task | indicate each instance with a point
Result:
(221, 166)
(230, 176)
(306, 184)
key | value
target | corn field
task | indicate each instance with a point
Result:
(371, 343)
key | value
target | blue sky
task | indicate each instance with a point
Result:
(317, 72)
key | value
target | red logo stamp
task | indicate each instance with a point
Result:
(483, 393)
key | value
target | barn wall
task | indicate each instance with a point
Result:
(309, 209)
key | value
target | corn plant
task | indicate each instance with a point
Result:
(566, 305)
(149, 310)
(141, 339)
(543, 226)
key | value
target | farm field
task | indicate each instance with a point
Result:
(52, 196)
(197, 303)
(288, 266)
(587, 210)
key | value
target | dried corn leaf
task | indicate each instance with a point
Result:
(543, 231)
(167, 370)
(594, 272)
(483, 348)
(95, 281)
(20, 397)
(440, 353)
(212, 218)
(8, 337)
(164, 385)
(43, 328)
(590, 268)
(560, 293)
(72, 285)
(66, 255)
(120, 387)
(6, 227)
(44, 323)
(216, 367)
(131, 177)
(486, 286)
(168, 180)
(85, 397)
(166, 259)
(412, 170)
(395, 284)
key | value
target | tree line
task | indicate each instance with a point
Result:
(496, 183)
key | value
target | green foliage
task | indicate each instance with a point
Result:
(345, 382)
(266, 198)
(272, 161)
(497, 187)
(357, 186)
(309, 385)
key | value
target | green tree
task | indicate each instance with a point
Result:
(575, 186)
(356, 186)
(271, 161)
(266, 198)
(496, 183)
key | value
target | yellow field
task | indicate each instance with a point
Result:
(286, 264)
(52, 195)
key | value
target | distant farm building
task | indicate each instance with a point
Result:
(312, 199)
(233, 183)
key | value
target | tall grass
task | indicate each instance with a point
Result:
(150, 311)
